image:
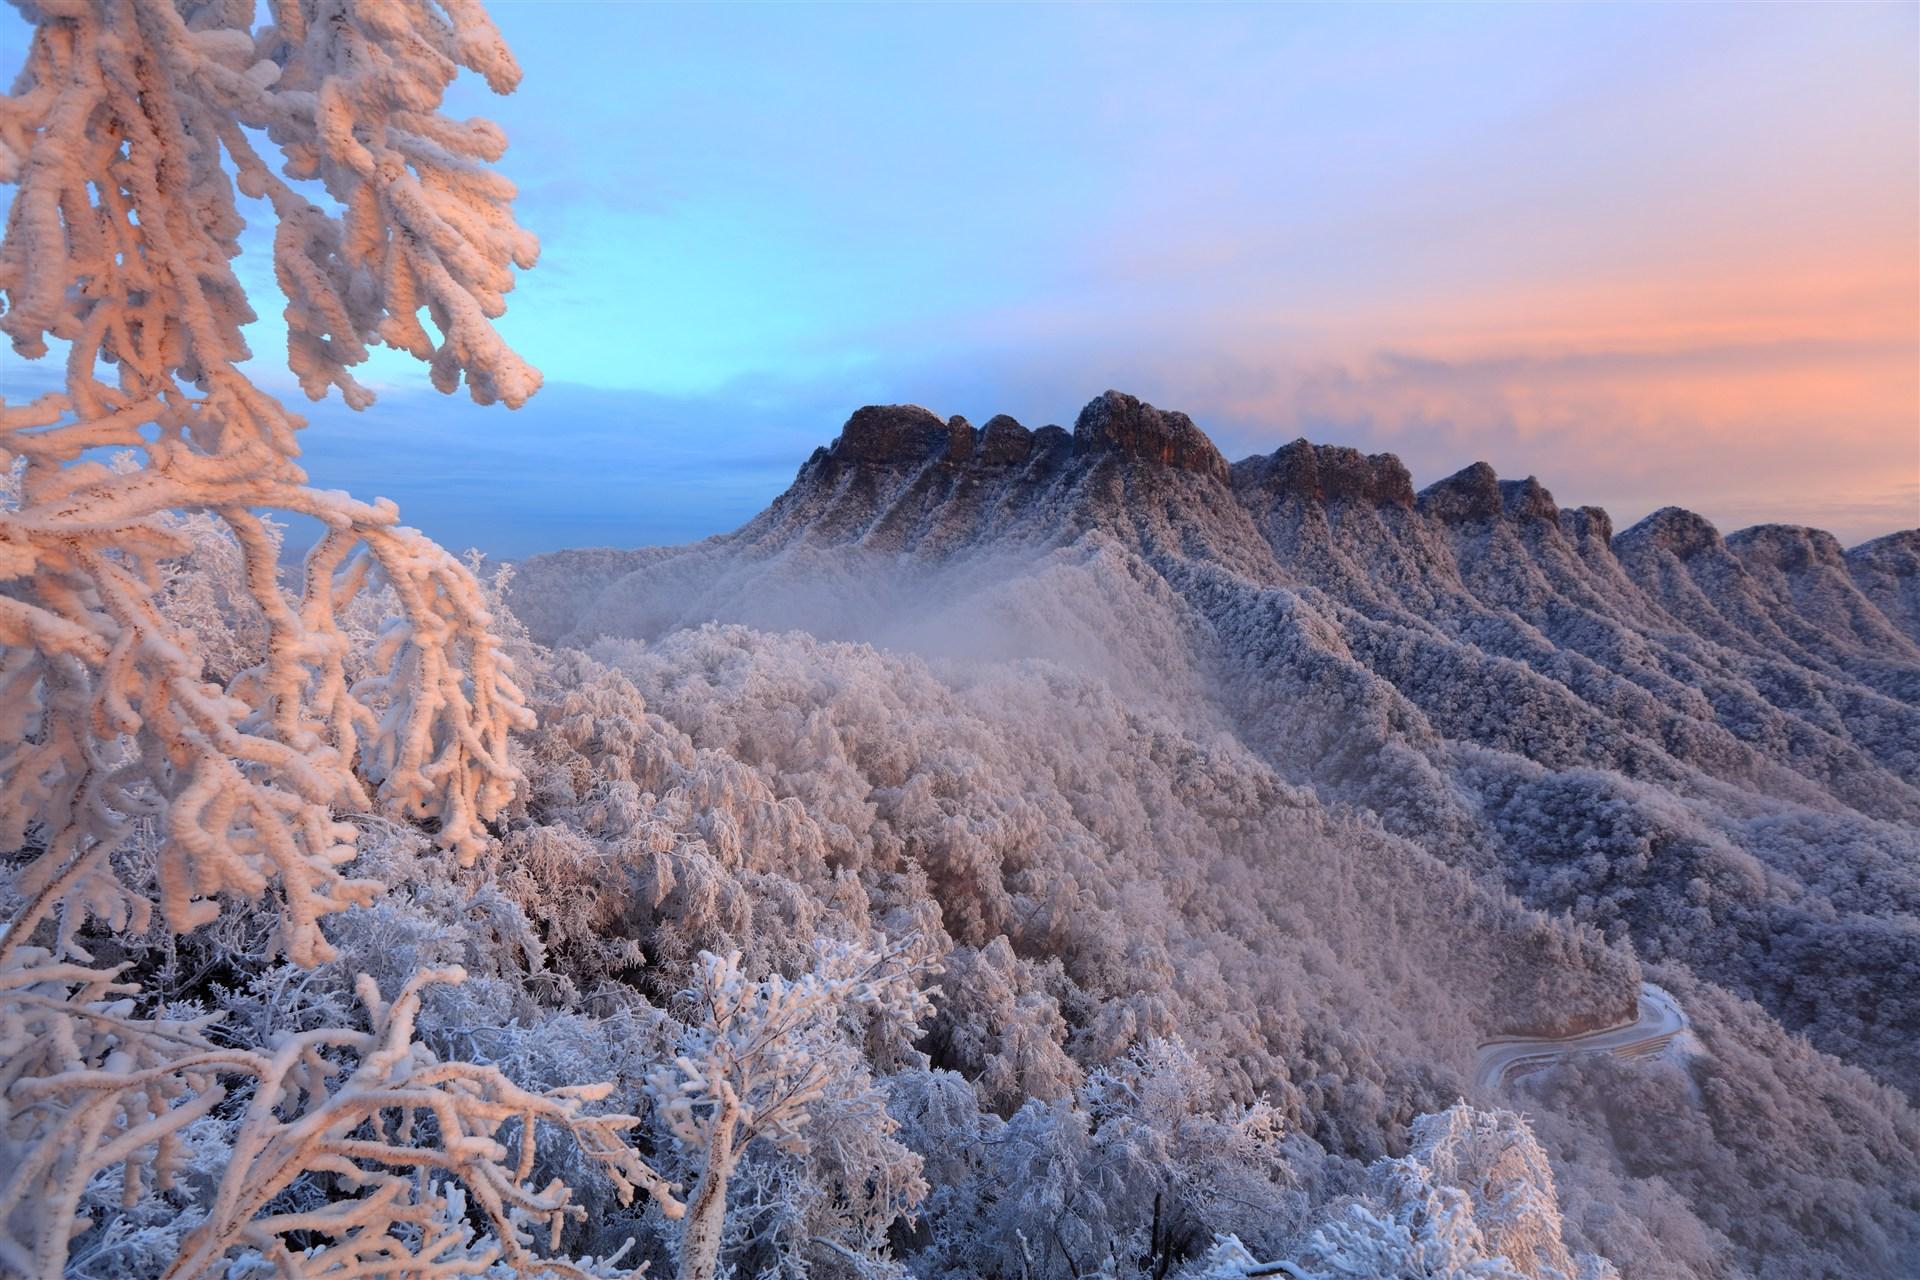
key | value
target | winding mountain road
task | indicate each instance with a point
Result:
(1660, 1020)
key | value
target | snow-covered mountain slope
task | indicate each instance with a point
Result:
(1708, 744)
(1274, 758)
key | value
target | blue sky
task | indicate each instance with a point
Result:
(1652, 254)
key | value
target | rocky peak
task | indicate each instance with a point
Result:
(1476, 495)
(908, 436)
(1117, 423)
(1468, 496)
(1587, 523)
(1003, 442)
(893, 435)
(1329, 473)
(1787, 547)
(1672, 529)
(1052, 443)
(1887, 570)
(1895, 553)
(962, 440)
(1528, 500)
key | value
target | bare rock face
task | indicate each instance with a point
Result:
(1468, 496)
(891, 435)
(1330, 473)
(1118, 423)
(1004, 442)
(962, 440)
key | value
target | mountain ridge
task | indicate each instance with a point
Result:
(1711, 717)
(900, 465)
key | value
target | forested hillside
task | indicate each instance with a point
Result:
(1333, 780)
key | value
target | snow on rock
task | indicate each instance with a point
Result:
(1116, 423)
(1887, 571)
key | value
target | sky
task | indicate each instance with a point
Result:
(1653, 255)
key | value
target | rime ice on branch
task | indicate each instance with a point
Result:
(757, 1059)
(125, 135)
(120, 242)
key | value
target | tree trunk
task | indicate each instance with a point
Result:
(707, 1211)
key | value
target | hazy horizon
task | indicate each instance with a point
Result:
(686, 486)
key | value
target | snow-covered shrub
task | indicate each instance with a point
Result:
(1132, 1173)
(773, 1062)
(1224, 1165)
(1472, 1200)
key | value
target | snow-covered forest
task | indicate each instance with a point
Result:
(1663, 754)
(1015, 855)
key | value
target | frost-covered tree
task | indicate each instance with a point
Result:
(1472, 1200)
(409, 1141)
(127, 134)
(758, 1060)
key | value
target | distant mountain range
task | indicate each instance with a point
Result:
(1336, 781)
(900, 480)
(1709, 744)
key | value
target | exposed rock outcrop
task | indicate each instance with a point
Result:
(1328, 473)
(1117, 423)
